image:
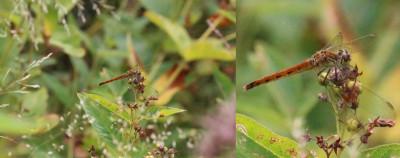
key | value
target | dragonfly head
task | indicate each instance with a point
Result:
(344, 55)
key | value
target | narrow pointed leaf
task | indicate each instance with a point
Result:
(175, 31)
(208, 49)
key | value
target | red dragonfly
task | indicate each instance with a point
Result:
(336, 54)
(125, 75)
(333, 54)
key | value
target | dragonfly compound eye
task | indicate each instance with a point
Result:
(138, 72)
(345, 55)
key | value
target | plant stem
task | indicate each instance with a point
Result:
(230, 37)
(186, 8)
(70, 152)
(210, 29)
(155, 67)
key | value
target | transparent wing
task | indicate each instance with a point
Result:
(152, 92)
(367, 38)
(372, 105)
(359, 44)
(352, 46)
(335, 43)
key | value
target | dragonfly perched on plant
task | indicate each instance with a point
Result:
(136, 79)
(335, 58)
(125, 75)
(333, 54)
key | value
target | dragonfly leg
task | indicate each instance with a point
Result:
(321, 72)
(327, 74)
(336, 74)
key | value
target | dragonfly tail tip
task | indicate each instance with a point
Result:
(247, 87)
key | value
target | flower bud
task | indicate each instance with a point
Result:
(352, 125)
(137, 127)
(357, 85)
(323, 79)
(141, 98)
(142, 133)
(323, 97)
(338, 91)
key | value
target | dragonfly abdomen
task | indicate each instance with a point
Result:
(125, 75)
(303, 66)
(111, 80)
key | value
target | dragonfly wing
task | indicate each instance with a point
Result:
(353, 46)
(372, 105)
(358, 44)
(335, 43)
(367, 38)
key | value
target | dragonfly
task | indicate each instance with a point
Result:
(125, 75)
(336, 54)
(333, 54)
(137, 78)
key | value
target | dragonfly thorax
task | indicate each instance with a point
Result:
(325, 58)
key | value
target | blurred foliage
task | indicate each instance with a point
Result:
(273, 35)
(175, 44)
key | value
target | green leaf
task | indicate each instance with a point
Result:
(81, 67)
(99, 117)
(223, 81)
(7, 59)
(69, 40)
(116, 109)
(261, 135)
(7, 11)
(168, 8)
(58, 88)
(230, 15)
(208, 49)
(13, 125)
(154, 112)
(70, 44)
(246, 147)
(175, 31)
(50, 21)
(66, 4)
(36, 102)
(390, 150)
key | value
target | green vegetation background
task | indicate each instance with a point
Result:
(273, 35)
